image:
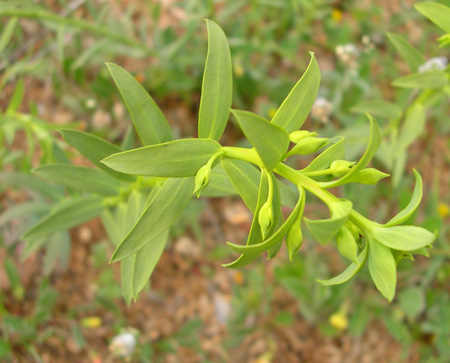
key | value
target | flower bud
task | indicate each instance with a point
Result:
(294, 239)
(308, 145)
(368, 176)
(265, 218)
(299, 135)
(202, 179)
(339, 168)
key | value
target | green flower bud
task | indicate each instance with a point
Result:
(368, 176)
(297, 136)
(202, 179)
(265, 218)
(308, 145)
(294, 239)
(339, 168)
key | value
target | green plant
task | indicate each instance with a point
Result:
(141, 192)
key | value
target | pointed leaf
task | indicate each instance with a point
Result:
(416, 197)
(174, 159)
(94, 149)
(148, 120)
(372, 147)
(295, 108)
(410, 55)
(33, 183)
(270, 141)
(346, 244)
(437, 13)
(425, 80)
(413, 126)
(349, 272)
(66, 215)
(403, 238)
(379, 108)
(382, 269)
(217, 86)
(80, 178)
(323, 230)
(158, 216)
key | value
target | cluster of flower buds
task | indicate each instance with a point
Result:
(306, 142)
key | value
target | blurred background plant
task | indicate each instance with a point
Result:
(61, 299)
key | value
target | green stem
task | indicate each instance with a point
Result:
(317, 173)
(299, 179)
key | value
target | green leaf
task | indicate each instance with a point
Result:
(7, 33)
(217, 86)
(220, 184)
(403, 238)
(22, 211)
(80, 178)
(416, 197)
(427, 80)
(148, 120)
(295, 108)
(260, 247)
(412, 301)
(157, 217)
(270, 141)
(323, 230)
(346, 244)
(94, 149)
(410, 55)
(413, 126)
(174, 159)
(33, 183)
(137, 268)
(255, 230)
(437, 13)
(245, 178)
(372, 147)
(66, 215)
(379, 108)
(17, 97)
(349, 272)
(382, 269)
(324, 160)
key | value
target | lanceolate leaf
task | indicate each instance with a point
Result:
(437, 13)
(410, 55)
(66, 215)
(217, 86)
(372, 147)
(428, 80)
(137, 268)
(245, 178)
(255, 231)
(149, 121)
(323, 230)
(403, 238)
(174, 159)
(293, 111)
(406, 213)
(80, 178)
(379, 108)
(159, 215)
(94, 149)
(382, 268)
(258, 248)
(324, 160)
(412, 127)
(351, 271)
(33, 183)
(270, 141)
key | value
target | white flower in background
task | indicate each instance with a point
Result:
(434, 64)
(348, 54)
(321, 109)
(123, 345)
